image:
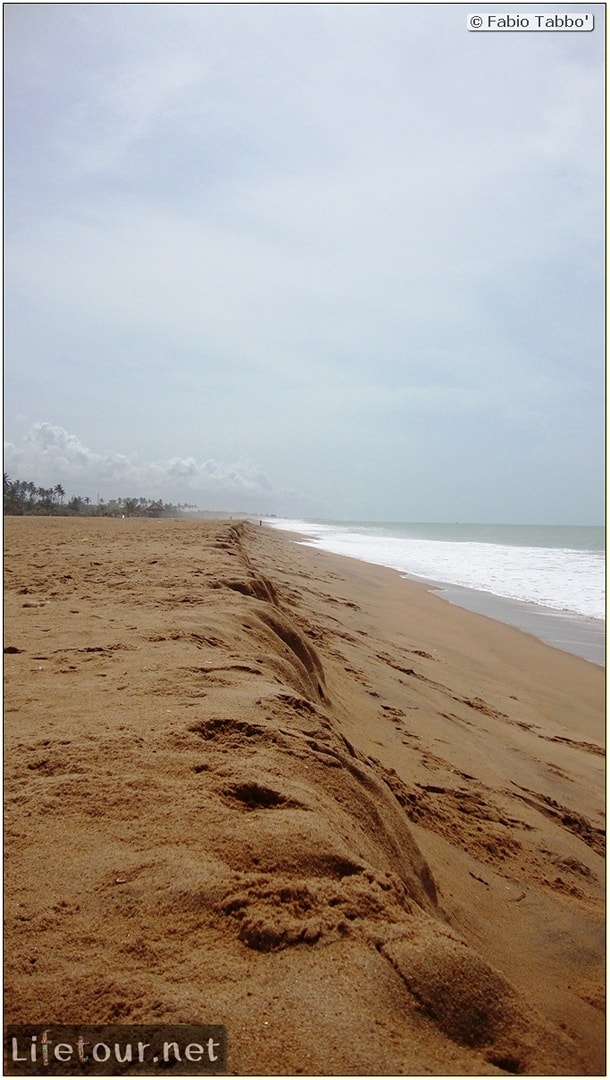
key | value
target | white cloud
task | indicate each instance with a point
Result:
(49, 454)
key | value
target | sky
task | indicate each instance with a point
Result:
(313, 260)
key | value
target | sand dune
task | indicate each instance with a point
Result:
(253, 784)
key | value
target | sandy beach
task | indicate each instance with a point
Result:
(253, 784)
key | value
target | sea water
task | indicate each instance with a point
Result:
(548, 580)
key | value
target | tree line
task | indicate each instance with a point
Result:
(24, 497)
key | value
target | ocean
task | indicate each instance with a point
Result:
(546, 580)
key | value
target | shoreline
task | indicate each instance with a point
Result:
(360, 826)
(566, 631)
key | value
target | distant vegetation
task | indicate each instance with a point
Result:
(23, 497)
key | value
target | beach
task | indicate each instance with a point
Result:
(546, 580)
(256, 784)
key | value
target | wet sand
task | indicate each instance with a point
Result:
(255, 784)
(571, 633)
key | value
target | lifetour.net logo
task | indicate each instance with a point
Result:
(114, 1049)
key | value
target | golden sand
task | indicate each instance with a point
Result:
(253, 784)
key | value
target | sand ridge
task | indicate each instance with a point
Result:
(251, 784)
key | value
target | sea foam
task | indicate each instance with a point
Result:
(525, 564)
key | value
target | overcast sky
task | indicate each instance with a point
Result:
(318, 260)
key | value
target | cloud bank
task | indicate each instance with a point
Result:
(49, 455)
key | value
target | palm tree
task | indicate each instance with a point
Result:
(130, 506)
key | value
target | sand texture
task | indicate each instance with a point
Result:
(254, 784)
